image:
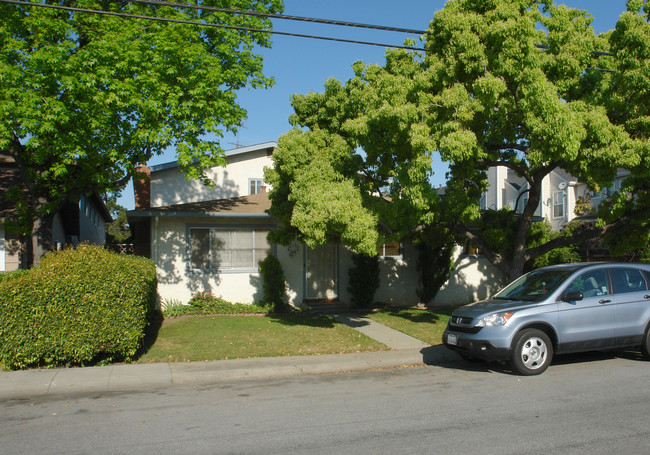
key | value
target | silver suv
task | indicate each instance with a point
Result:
(557, 309)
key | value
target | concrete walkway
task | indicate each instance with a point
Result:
(406, 351)
(390, 337)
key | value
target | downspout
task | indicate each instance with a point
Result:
(155, 240)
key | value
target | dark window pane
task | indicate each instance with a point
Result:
(199, 249)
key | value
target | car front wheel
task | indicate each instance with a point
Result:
(532, 353)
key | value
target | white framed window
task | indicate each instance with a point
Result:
(212, 249)
(255, 186)
(558, 204)
(390, 250)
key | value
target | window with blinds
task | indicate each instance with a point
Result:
(216, 248)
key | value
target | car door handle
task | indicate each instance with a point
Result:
(604, 301)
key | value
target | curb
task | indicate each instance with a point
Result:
(115, 378)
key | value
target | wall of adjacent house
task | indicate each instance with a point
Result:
(169, 187)
(92, 226)
(2, 250)
(9, 252)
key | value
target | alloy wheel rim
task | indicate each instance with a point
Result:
(533, 353)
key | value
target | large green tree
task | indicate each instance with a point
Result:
(85, 97)
(523, 84)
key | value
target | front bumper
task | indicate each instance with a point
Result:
(471, 347)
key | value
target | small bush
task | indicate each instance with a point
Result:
(77, 307)
(172, 308)
(364, 280)
(274, 284)
(206, 303)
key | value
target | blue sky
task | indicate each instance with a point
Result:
(301, 65)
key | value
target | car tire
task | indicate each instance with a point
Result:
(532, 353)
(645, 344)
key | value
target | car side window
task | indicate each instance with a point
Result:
(591, 284)
(628, 280)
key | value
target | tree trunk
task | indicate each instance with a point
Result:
(41, 238)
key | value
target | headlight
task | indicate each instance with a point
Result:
(494, 319)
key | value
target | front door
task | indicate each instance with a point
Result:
(321, 273)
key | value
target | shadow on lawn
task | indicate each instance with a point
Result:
(309, 320)
(150, 335)
(414, 315)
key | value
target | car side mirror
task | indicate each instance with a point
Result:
(572, 296)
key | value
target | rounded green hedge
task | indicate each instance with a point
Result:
(77, 307)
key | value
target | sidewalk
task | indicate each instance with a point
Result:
(406, 351)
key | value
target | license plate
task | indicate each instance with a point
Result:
(452, 339)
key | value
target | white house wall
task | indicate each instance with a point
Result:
(169, 187)
(473, 278)
(169, 252)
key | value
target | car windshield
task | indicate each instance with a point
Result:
(534, 286)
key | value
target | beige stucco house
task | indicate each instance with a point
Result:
(205, 239)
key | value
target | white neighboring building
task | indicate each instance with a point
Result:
(212, 240)
(560, 193)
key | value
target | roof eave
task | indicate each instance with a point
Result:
(170, 213)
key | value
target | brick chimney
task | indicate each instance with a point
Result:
(142, 188)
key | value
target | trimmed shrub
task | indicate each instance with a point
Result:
(206, 303)
(79, 306)
(364, 280)
(273, 284)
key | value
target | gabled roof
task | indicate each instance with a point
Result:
(253, 206)
(234, 152)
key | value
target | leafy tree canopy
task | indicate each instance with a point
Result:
(523, 84)
(84, 97)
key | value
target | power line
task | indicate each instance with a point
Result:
(283, 16)
(204, 24)
(257, 30)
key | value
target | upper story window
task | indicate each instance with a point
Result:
(558, 204)
(255, 185)
(217, 248)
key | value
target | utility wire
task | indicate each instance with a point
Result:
(204, 24)
(283, 16)
(255, 13)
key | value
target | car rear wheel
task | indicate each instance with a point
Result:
(532, 353)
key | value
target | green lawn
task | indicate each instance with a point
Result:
(425, 325)
(198, 338)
